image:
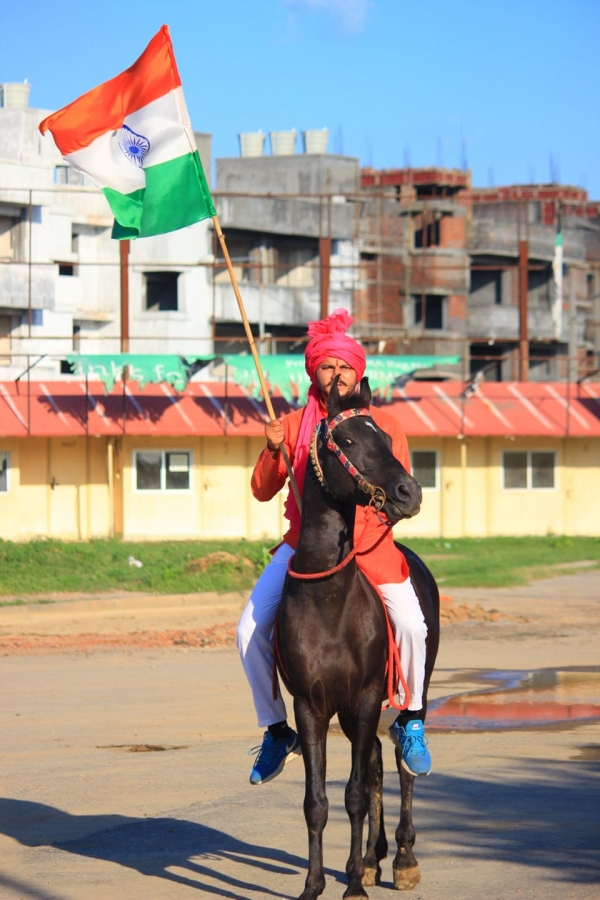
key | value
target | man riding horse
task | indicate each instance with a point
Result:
(330, 354)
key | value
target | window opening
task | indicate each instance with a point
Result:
(424, 466)
(4, 460)
(542, 470)
(148, 466)
(6, 237)
(161, 291)
(5, 340)
(177, 471)
(434, 311)
(529, 469)
(162, 471)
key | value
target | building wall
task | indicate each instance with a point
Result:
(79, 488)
(57, 487)
(219, 504)
(57, 216)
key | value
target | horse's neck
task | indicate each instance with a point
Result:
(327, 528)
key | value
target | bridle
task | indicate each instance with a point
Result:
(377, 494)
(325, 428)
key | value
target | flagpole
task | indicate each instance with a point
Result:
(254, 352)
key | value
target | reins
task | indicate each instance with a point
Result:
(378, 497)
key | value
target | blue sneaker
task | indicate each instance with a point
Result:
(273, 755)
(411, 741)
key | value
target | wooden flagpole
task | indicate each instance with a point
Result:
(254, 352)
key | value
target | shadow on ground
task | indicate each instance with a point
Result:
(153, 847)
(548, 817)
(545, 818)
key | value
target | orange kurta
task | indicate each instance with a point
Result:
(384, 564)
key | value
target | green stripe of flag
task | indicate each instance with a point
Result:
(176, 195)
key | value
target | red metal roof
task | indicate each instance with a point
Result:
(431, 409)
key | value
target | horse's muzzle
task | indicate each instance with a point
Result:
(404, 499)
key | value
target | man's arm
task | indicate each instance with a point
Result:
(270, 473)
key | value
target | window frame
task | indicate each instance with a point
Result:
(7, 454)
(163, 489)
(529, 486)
(436, 488)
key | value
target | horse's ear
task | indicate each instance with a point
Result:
(365, 393)
(334, 402)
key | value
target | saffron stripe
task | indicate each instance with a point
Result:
(164, 123)
(105, 107)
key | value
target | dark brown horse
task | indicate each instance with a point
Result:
(332, 640)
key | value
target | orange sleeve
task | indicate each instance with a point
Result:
(391, 426)
(270, 474)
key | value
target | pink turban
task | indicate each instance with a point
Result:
(329, 338)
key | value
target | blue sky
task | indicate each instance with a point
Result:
(507, 84)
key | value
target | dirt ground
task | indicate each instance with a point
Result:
(125, 726)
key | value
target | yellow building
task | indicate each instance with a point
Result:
(153, 464)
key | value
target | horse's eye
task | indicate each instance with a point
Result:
(347, 442)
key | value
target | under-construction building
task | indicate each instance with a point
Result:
(507, 278)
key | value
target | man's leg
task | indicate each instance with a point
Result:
(410, 629)
(255, 645)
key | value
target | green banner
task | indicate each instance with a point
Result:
(287, 373)
(141, 367)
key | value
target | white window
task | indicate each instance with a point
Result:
(4, 466)
(425, 468)
(529, 469)
(162, 470)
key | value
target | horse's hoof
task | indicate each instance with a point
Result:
(407, 879)
(372, 876)
(312, 892)
(355, 892)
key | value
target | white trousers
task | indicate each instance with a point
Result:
(255, 637)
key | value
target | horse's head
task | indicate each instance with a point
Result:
(357, 461)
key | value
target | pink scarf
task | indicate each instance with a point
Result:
(328, 338)
(313, 413)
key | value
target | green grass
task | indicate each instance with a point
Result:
(48, 566)
(45, 567)
(502, 561)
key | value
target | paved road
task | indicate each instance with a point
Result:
(513, 814)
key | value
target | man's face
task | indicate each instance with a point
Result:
(327, 372)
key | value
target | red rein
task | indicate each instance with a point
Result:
(394, 669)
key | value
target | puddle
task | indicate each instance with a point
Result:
(519, 700)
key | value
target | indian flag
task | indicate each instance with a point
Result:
(132, 136)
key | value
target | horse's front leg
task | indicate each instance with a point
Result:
(357, 789)
(406, 867)
(312, 728)
(377, 845)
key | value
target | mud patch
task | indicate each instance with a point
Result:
(140, 748)
(451, 612)
(216, 636)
